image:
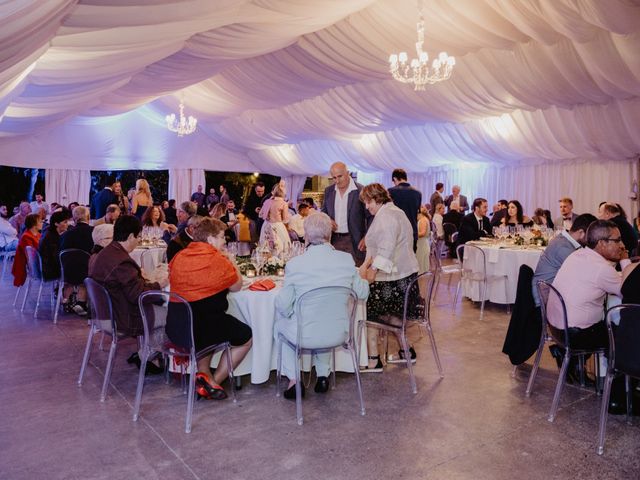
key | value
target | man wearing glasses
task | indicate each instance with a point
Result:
(584, 280)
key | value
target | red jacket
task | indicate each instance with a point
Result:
(19, 269)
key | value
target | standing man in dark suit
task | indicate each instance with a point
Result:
(436, 197)
(455, 196)
(407, 199)
(342, 204)
(103, 198)
(476, 224)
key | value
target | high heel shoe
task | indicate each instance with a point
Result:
(205, 389)
(152, 368)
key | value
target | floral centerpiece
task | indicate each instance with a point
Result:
(272, 265)
(538, 239)
(245, 265)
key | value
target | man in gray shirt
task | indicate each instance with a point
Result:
(559, 249)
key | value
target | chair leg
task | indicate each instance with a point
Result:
(559, 386)
(412, 378)
(356, 369)
(279, 367)
(4, 267)
(190, 402)
(15, 299)
(231, 382)
(434, 348)
(627, 388)
(107, 373)
(85, 359)
(604, 412)
(35, 312)
(58, 300)
(482, 298)
(534, 369)
(333, 369)
(298, 390)
(26, 294)
(455, 298)
(140, 387)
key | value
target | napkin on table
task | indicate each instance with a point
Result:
(262, 285)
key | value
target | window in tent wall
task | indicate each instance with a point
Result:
(238, 184)
(17, 184)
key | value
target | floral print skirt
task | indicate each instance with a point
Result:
(386, 301)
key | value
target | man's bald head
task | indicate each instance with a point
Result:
(340, 175)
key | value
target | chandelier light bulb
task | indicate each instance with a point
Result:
(181, 125)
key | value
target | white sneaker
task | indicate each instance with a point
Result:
(78, 310)
(400, 358)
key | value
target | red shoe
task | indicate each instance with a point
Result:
(206, 389)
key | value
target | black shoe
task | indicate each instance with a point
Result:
(322, 385)
(401, 358)
(152, 368)
(290, 393)
(557, 353)
(617, 408)
(378, 367)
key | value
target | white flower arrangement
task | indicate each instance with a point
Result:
(272, 265)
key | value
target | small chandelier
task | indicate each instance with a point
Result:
(419, 72)
(182, 125)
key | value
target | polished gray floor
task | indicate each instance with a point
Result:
(473, 424)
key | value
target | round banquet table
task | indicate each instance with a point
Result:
(149, 257)
(257, 309)
(500, 260)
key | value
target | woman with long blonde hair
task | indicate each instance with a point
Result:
(142, 198)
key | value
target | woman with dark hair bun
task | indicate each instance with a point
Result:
(515, 215)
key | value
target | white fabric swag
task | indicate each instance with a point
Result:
(183, 182)
(66, 186)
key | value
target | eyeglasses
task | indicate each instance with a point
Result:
(616, 240)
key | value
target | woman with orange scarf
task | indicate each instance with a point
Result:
(30, 238)
(203, 275)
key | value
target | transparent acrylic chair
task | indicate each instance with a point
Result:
(71, 260)
(319, 333)
(6, 256)
(441, 270)
(34, 274)
(101, 321)
(154, 308)
(561, 337)
(424, 283)
(623, 358)
(478, 276)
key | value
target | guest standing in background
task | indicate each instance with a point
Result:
(199, 197)
(462, 205)
(212, 198)
(121, 199)
(224, 195)
(436, 197)
(345, 208)
(407, 199)
(438, 220)
(423, 245)
(102, 199)
(142, 199)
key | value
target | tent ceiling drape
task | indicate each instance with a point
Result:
(287, 87)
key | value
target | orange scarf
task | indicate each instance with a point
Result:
(200, 271)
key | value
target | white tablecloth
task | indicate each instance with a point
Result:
(500, 261)
(149, 257)
(257, 309)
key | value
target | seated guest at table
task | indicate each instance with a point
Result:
(611, 211)
(111, 215)
(454, 215)
(584, 280)
(184, 238)
(153, 224)
(218, 211)
(515, 216)
(50, 245)
(319, 266)
(438, 220)
(170, 213)
(78, 236)
(475, 224)
(18, 220)
(203, 274)
(296, 222)
(500, 213)
(115, 270)
(8, 234)
(30, 238)
(390, 266)
(142, 198)
(102, 236)
(567, 216)
(539, 218)
(424, 247)
(559, 249)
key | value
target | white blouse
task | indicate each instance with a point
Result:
(390, 244)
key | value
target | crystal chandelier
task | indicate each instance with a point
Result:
(182, 125)
(419, 72)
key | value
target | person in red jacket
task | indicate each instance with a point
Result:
(30, 238)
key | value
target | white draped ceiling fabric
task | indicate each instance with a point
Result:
(543, 90)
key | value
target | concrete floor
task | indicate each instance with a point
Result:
(473, 424)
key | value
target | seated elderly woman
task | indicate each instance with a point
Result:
(102, 236)
(153, 224)
(390, 266)
(319, 266)
(202, 273)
